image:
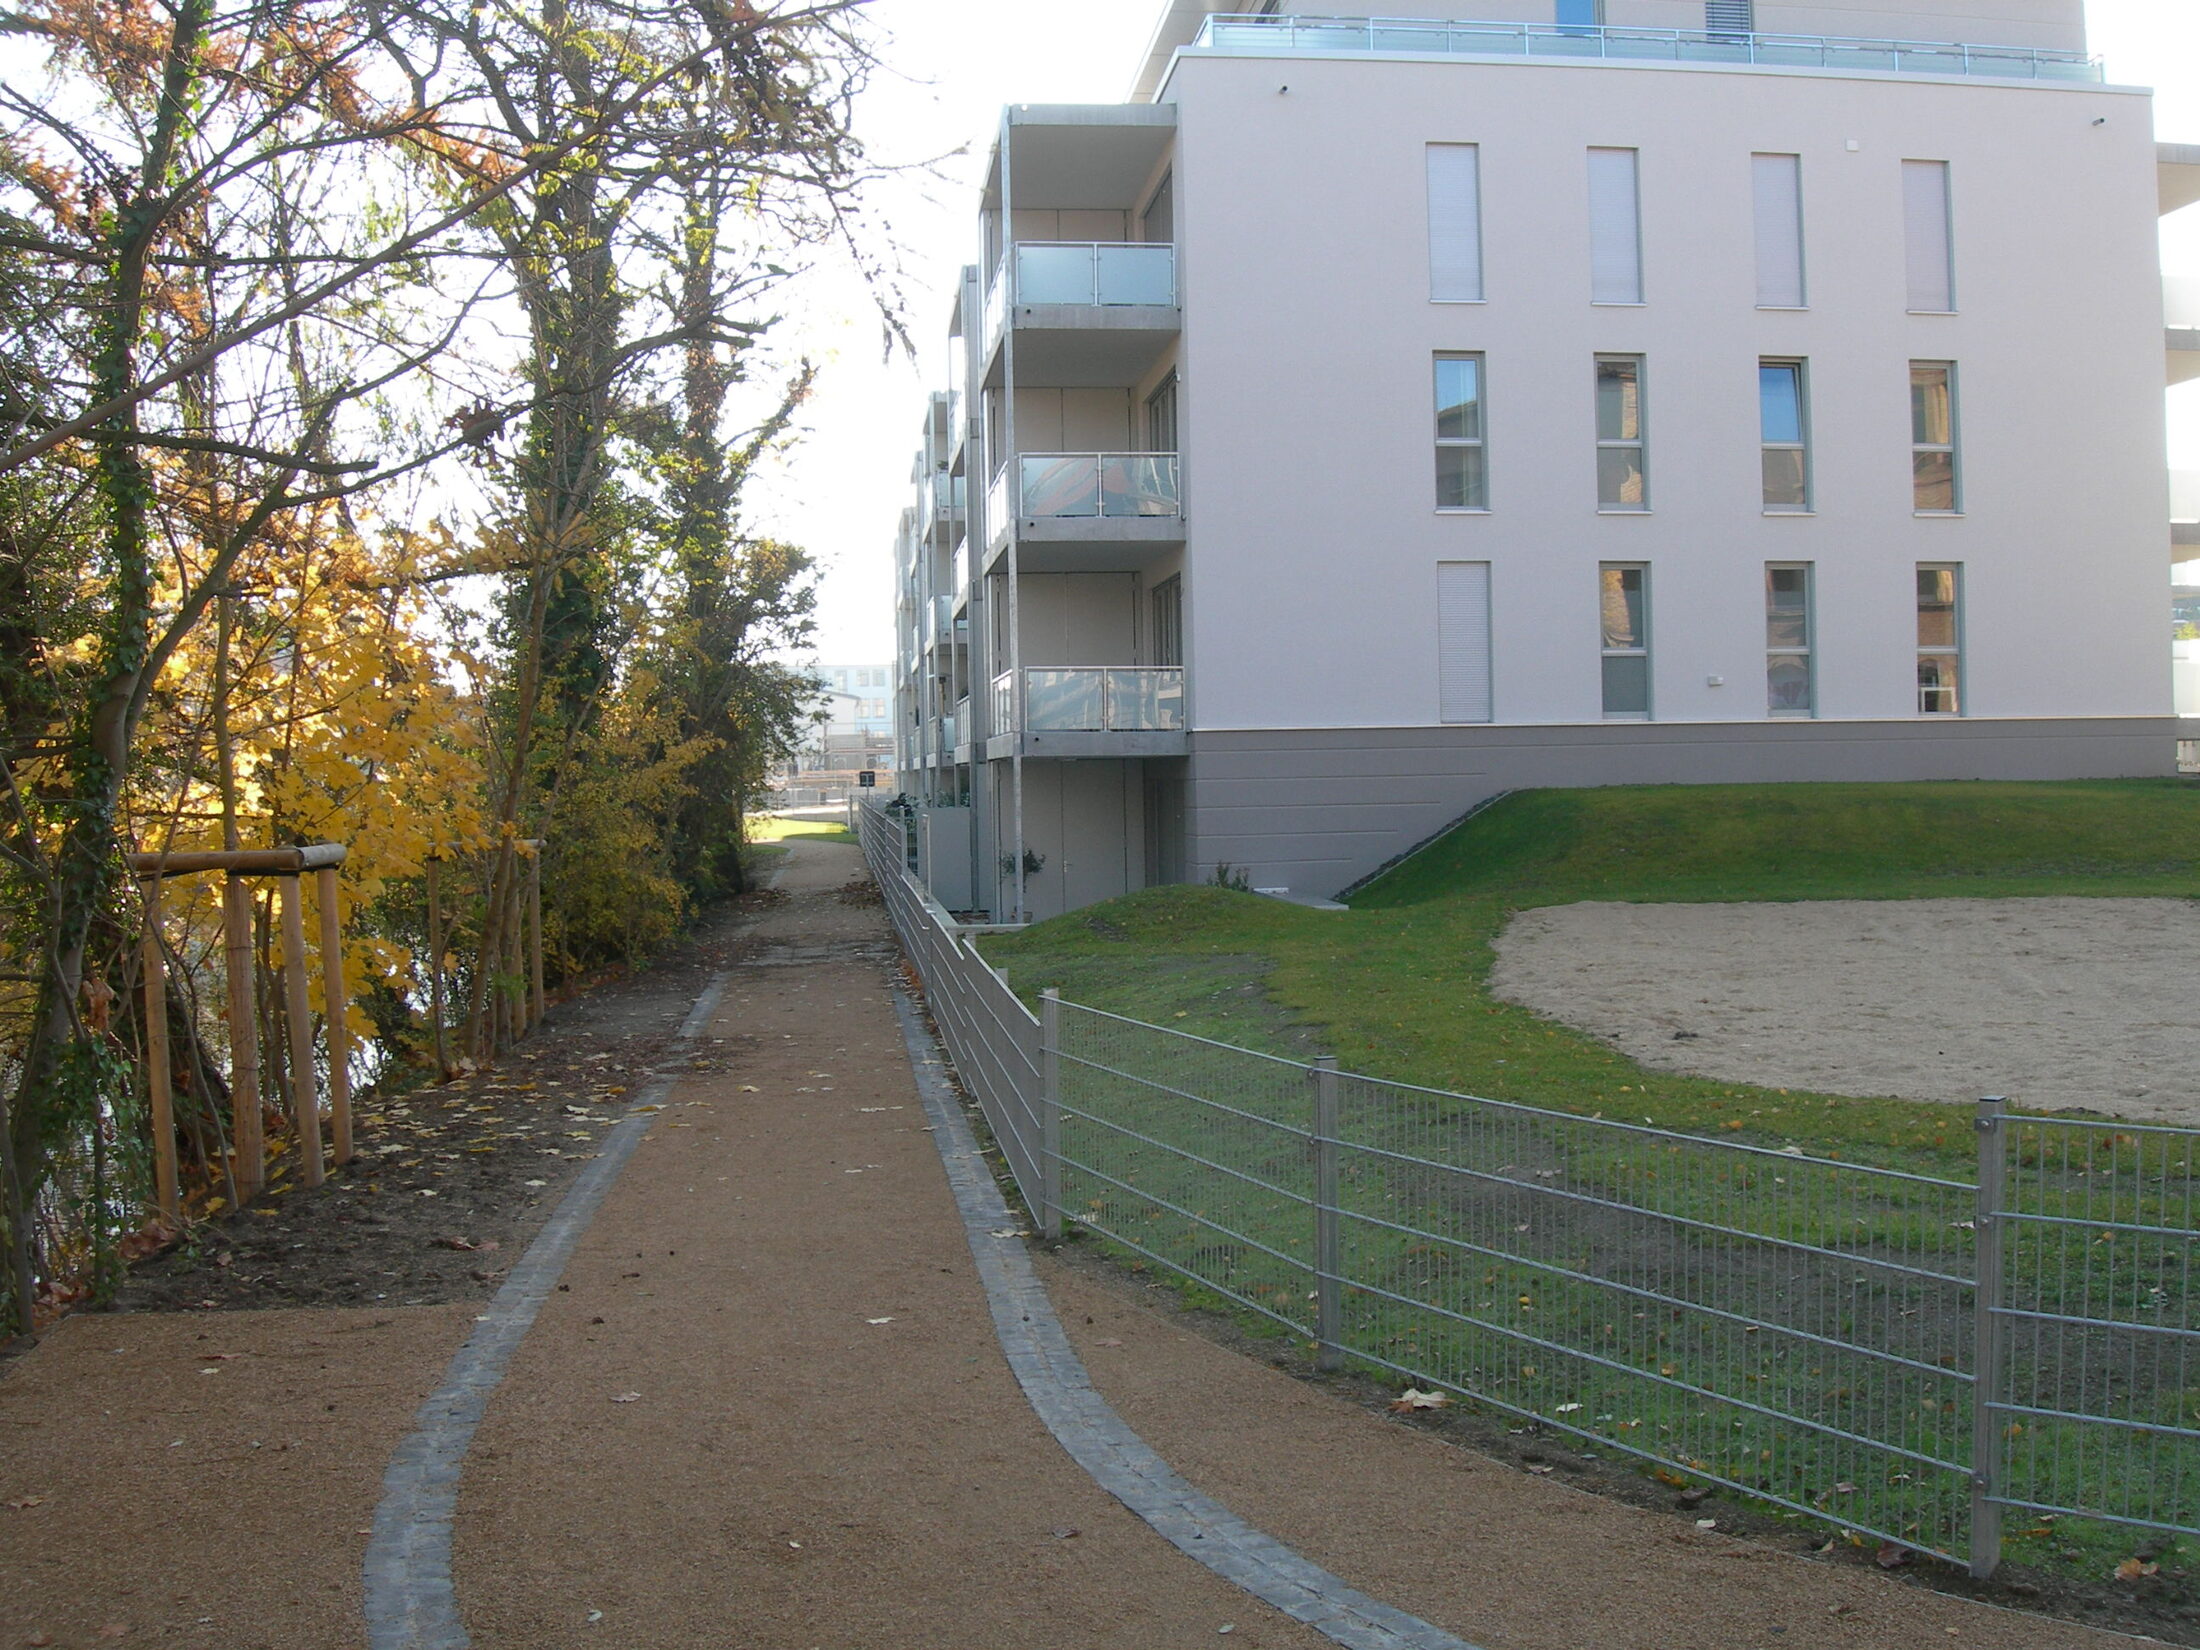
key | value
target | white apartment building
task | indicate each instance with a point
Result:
(1372, 416)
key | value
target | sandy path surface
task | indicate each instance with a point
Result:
(2052, 1002)
(789, 1473)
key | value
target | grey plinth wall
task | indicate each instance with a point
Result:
(1315, 809)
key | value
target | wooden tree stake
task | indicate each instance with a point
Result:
(435, 969)
(534, 928)
(298, 1010)
(161, 1101)
(334, 1007)
(245, 1136)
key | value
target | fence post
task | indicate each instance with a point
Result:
(1050, 1112)
(160, 1099)
(1988, 1337)
(1328, 1237)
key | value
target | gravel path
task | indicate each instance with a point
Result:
(2052, 1002)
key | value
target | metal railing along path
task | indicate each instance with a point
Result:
(1896, 1354)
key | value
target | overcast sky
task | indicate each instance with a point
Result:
(840, 492)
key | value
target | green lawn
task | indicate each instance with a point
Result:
(1396, 987)
(777, 828)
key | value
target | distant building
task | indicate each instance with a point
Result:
(850, 728)
(1378, 414)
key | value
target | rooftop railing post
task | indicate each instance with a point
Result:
(1328, 1235)
(1050, 1112)
(1989, 1338)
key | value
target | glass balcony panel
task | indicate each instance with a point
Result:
(1065, 701)
(1146, 700)
(1053, 274)
(1139, 484)
(1391, 37)
(1133, 274)
(1060, 484)
(1004, 702)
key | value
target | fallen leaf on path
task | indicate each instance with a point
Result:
(114, 1630)
(24, 1503)
(1414, 1399)
(1707, 1523)
(1890, 1556)
(1111, 1341)
(1011, 1232)
(628, 1398)
(2131, 1569)
(1540, 1470)
(878, 1320)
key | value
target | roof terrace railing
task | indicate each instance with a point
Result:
(1321, 36)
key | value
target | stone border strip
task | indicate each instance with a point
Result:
(411, 1602)
(1097, 1439)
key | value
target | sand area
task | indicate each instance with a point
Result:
(2052, 1002)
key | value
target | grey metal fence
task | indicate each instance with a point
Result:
(1901, 1356)
(991, 1037)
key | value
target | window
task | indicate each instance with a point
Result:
(1161, 416)
(1615, 228)
(1580, 13)
(1777, 184)
(1168, 621)
(1454, 223)
(1927, 237)
(1462, 478)
(1463, 640)
(1623, 609)
(1933, 477)
(1785, 434)
(1158, 221)
(1939, 641)
(1787, 640)
(1622, 475)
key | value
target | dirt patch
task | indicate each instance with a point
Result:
(2053, 1002)
(451, 1183)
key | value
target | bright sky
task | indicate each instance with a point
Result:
(841, 491)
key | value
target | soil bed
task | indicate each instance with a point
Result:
(450, 1183)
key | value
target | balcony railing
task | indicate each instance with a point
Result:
(961, 720)
(948, 739)
(1098, 484)
(2181, 300)
(1103, 273)
(1330, 35)
(1090, 699)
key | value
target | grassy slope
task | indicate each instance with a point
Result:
(1396, 986)
(775, 828)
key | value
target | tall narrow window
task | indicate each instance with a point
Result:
(1455, 223)
(1161, 417)
(1462, 477)
(1939, 641)
(1623, 611)
(1158, 221)
(1927, 236)
(1580, 13)
(1463, 641)
(1777, 183)
(1623, 477)
(1615, 227)
(1785, 433)
(1168, 622)
(1933, 474)
(1787, 641)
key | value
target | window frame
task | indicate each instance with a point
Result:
(1799, 366)
(1640, 649)
(1639, 444)
(1952, 447)
(1951, 650)
(1806, 650)
(1478, 443)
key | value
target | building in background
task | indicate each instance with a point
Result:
(850, 729)
(1375, 416)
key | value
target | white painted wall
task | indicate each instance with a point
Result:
(1306, 400)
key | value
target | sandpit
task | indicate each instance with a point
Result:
(2052, 1002)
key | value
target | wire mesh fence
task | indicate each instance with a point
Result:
(1902, 1356)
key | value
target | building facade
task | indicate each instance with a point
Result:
(1373, 416)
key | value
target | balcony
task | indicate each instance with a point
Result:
(1090, 512)
(1342, 36)
(1089, 710)
(1087, 313)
